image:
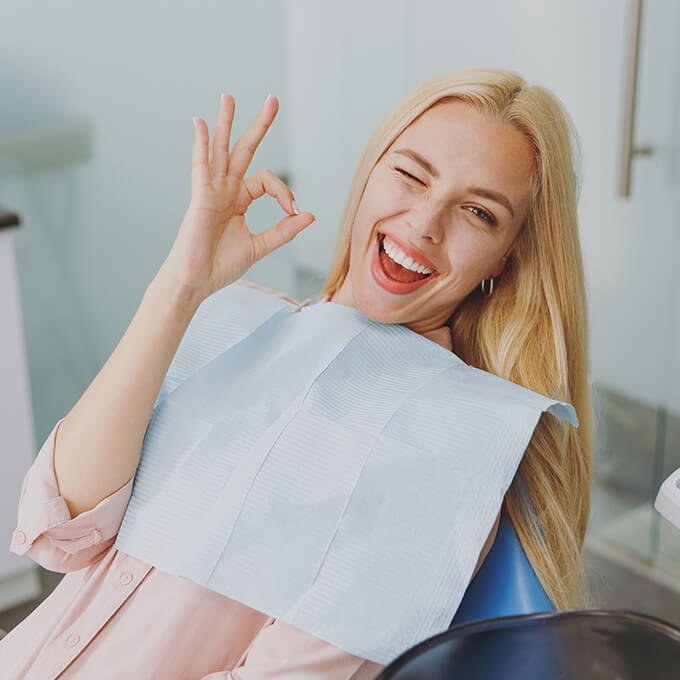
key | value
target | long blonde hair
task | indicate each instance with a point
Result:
(533, 329)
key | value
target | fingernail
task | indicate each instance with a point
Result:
(295, 210)
(269, 96)
(194, 119)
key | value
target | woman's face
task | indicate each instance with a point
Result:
(451, 191)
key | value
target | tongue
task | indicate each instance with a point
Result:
(397, 272)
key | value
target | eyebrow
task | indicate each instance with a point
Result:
(479, 191)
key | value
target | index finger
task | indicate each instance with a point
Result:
(244, 149)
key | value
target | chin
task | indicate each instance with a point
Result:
(378, 310)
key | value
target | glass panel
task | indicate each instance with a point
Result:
(638, 439)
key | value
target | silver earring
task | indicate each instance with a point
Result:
(490, 286)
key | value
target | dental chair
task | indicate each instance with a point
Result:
(507, 627)
(505, 585)
(577, 644)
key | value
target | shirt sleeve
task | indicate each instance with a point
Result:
(281, 651)
(45, 530)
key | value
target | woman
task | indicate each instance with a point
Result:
(510, 286)
(468, 128)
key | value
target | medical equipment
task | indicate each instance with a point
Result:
(667, 501)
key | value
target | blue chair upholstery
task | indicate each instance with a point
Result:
(505, 585)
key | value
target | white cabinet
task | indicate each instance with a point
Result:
(19, 576)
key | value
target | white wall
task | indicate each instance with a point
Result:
(94, 234)
(115, 84)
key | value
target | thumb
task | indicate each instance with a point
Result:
(281, 233)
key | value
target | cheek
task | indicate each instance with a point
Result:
(469, 257)
(382, 198)
(377, 204)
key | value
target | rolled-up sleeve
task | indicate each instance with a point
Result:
(283, 651)
(45, 530)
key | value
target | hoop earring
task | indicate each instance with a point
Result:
(490, 279)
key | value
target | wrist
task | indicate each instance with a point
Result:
(168, 287)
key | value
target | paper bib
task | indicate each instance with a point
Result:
(337, 473)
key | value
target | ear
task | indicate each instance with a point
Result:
(499, 267)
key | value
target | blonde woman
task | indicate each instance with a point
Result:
(461, 225)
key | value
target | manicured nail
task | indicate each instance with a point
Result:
(295, 210)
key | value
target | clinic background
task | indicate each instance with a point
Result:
(96, 103)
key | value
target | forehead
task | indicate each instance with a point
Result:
(455, 138)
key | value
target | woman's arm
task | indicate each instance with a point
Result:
(99, 443)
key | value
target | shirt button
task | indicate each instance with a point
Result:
(20, 536)
(125, 578)
(72, 640)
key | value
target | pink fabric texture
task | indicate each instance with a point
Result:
(114, 616)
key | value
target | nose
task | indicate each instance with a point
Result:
(427, 221)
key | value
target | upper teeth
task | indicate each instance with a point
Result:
(399, 256)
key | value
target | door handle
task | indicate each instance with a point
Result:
(628, 150)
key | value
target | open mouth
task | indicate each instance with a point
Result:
(393, 270)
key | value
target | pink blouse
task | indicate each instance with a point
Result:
(114, 616)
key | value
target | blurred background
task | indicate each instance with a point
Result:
(95, 143)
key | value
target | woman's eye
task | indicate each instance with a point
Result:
(409, 175)
(483, 214)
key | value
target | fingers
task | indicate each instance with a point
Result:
(220, 142)
(199, 156)
(280, 233)
(245, 147)
(265, 181)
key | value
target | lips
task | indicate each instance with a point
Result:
(385, 282)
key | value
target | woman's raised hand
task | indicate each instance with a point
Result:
(214, 247)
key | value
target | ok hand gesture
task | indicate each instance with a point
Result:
(214, 247)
